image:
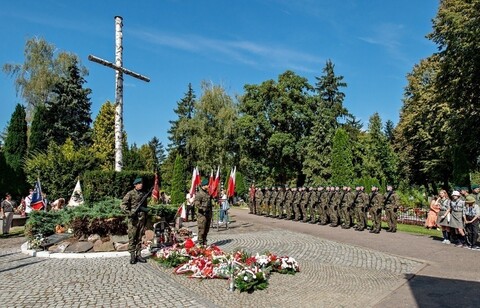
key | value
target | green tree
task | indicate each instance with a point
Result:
(178, 181)
(274, 124)
(389, 131)
(38, 140)
(329, 111)
(133, 159)
(380, 161)
(103, 136)
(69, 109)
(42, 69)
(421, 136)
(456, 32)
(59, 167)
(241, 188)
(182, 130)
(342, 165)
(214, 119)
(15, 148)
(157, 153)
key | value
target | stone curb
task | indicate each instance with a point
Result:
(90, 255)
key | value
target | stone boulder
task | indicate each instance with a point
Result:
(119, 238)
(121, 246)
(93, 238)
(100, 246)
(59, 248)
(79, 247)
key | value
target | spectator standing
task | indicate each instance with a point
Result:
(224, 207)
(28, 202)
(457, 207)
(443, 219)
(470, 216)
(7, 207)
(190, 199)
(432, 216)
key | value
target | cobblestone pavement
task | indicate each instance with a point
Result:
(332, 275)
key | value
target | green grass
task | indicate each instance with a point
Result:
(414, 229)
(14, 231)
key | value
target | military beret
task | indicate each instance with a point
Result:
(204, 182)
(137, 181)
(475, 186)
(464, 188)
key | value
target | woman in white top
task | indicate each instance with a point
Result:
(224, 206)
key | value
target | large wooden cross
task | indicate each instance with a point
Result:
(119, 71)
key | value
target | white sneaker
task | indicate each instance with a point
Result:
(444, 241)
(447, 242)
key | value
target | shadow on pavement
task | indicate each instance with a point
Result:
(443, 292)
(222, 242)
(20, 266)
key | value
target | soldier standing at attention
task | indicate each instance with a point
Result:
(334, 203)
(304, 203)
(312, 204)
(296, 202)
(258, 201)
(376, 205)
(360, 201)
(278, 212)
(271, 204)
(203, 202)
(289, 195)
(251, 199)
(266, 200)
(345, 207)
(321, 202)
(134, 204)
(391, 206)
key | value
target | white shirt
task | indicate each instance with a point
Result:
(28, 201)
(190, 199)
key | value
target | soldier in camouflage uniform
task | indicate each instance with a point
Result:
(304, 204)
(360, 202)
(278, 213)
(375, 209)
(345, 207)
(288, 203)
(334, 203)
(203, 202)
(391, 202)
(266, 200)
(258, 200)
(296, 203)
(251, 199)
(322, 200)
(136, 210)
(312, 205)
(271, 204)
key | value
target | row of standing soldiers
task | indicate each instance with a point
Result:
(328, 205)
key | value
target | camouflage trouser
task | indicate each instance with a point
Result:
(391, 215)
(136, 228)
(346, 216)
(278, 212)
(288, 210)
(251, 206)
(258, 208)
(303, 210)
(204, 219)
(361, 217)
(376, 216)
(334, 214)
(322, 214)
(298, 211)
(312, 211)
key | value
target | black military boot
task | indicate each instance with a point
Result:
(141, 259)
(133, 258)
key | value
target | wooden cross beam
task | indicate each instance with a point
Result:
(119, 71)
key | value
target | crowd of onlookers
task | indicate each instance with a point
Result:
(457, 215)
(10, 207)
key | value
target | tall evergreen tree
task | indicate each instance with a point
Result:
(182, 130)
(38, 140)
(69, 109)
(157, 152)
(103, 136)
(178, 181)
(342, 166)
(329, 111)
(389, 131)
(15, 148)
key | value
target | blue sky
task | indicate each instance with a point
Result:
(373, 44)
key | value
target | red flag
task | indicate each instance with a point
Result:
(37, 202)
(216, 183)
(156, 190)
(231, 183)
(195, 181)
(210, 184)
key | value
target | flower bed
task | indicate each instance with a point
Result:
(245, 272)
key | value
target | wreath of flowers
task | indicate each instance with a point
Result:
(245, 272)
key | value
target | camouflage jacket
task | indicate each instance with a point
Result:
(258, 196)
(376, 200)
(280, 197)
(203, 201)
(391, 200)
(130, 202)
